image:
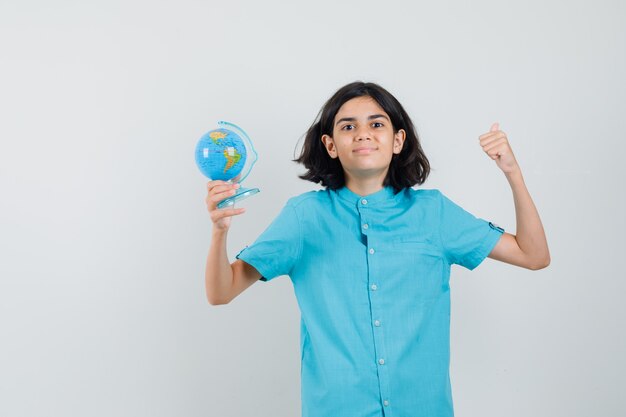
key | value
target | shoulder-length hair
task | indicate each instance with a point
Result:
(408, 168)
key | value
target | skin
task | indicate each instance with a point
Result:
(529, 247)
(365, 146)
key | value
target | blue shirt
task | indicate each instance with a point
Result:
(371, 277)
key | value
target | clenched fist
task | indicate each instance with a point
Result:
(496, 145)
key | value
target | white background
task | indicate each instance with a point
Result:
(104, 231)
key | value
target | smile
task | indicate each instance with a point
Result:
(364, 150)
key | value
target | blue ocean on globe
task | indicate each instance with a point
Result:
(220, 154)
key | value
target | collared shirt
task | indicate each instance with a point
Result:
(371, 277)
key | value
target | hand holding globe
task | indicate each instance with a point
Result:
(218, 191)
(226, 156)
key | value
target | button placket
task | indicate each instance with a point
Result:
(365, 225)
(373, 275)
(363, 216)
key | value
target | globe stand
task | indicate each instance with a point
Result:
(241, 194)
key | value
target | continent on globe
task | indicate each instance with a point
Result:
(217, 136)
(232, 157)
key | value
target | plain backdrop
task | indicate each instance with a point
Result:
(104, 230)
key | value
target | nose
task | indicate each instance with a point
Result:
(362, 133)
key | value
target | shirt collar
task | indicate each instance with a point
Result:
(384, 194)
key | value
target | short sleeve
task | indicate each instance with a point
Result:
(277, 249)
(466, 239)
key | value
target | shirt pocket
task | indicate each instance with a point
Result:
(421, 265)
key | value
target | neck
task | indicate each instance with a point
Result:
(365, 185)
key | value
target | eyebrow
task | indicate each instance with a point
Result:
(352, 119)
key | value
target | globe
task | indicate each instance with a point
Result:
(223, 154)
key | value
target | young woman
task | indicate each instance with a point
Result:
(370, 258)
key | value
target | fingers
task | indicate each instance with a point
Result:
(218, 183)
(218, 191)
(494, 130)
(497, 143)
(487, 138)
(218, 196)
(495, 152)
(494, 142)
(217, 215)
(497, 148)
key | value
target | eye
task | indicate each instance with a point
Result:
(378, 123)
(345, 126)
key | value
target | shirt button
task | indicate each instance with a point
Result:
(377, 323)
(366, 226)
(374, 287)
(364, 201)
(386, 403)
(381, 361)
(371, 251)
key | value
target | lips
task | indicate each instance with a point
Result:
(363, 149)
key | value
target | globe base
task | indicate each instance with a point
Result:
(241, 194)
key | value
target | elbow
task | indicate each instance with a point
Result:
(543, 263)
(215, 301)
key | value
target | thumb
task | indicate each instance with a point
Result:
(495, 127)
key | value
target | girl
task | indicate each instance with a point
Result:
(370, 257)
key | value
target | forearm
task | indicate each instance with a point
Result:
(530, 235)
(218, 274)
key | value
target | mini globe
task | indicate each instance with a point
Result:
(227, 154)
(221, 154)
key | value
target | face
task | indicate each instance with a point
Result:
(363, 139)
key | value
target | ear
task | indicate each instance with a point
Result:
(330, 146)
(398, 141)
